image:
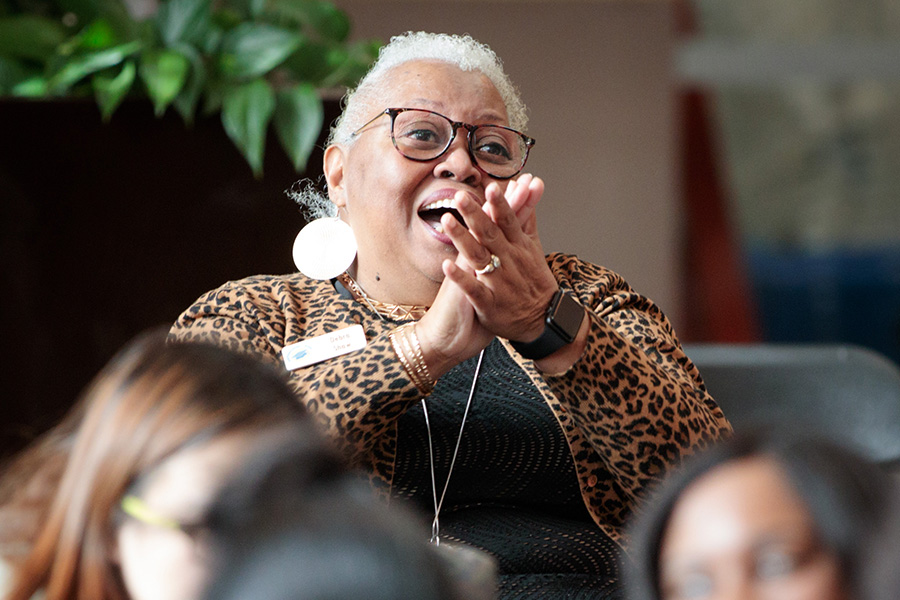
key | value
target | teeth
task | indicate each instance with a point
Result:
(439, 228)
(446, 203)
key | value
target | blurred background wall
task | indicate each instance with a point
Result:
(597, 79)
(802, 105)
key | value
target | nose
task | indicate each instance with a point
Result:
(456, 162)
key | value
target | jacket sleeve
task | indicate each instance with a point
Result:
(356, 397)
(634, 394)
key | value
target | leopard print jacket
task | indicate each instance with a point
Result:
(632, 406)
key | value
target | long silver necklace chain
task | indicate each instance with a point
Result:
(438, 504)
(436, 524)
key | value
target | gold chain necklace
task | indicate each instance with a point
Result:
(393, 312)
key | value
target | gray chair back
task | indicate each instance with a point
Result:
(848, 393)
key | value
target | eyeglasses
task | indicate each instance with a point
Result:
(424, 135)
(138, 510)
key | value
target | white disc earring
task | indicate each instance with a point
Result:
(325, 248)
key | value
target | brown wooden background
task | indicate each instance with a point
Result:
(107, 230)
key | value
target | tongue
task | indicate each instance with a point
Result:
(432, 217)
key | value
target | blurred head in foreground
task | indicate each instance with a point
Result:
(279, 536)
(138, 462)
(760, 516)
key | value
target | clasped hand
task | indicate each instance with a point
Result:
(472, 308)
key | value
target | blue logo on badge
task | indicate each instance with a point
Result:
(298, 353)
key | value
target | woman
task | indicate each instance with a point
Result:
(142, 456)
(583, 396)
(761, 516)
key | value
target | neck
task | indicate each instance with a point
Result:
(419, 291)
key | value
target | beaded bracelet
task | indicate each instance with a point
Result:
(409, 351)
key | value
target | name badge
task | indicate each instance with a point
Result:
(323, 347)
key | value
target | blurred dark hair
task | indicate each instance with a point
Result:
(153, 399)
(279, 532)
(846, 495)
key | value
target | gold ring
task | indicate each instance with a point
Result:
(490, 267)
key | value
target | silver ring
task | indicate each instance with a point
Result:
(490, 267)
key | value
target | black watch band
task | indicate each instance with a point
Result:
(561, 325)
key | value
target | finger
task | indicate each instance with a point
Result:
(535, 191)
(503, 215)
(475, 254)
(479, 221)
(528, 210)
(474, 290)
(493, 194)
(510, 190)
(529, 228)
(517, 192)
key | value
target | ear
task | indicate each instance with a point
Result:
(333, 166)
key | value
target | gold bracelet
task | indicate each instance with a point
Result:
(419, 358)
(413, 352)
(409, 351)
(414, 361)
(398, 350)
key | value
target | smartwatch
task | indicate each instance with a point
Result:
(561, 325)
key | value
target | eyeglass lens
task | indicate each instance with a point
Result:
(423, 135)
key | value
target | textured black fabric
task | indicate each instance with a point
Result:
(551, 586)
(513, 491)
(513, 452)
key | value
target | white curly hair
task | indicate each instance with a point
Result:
(459, 50)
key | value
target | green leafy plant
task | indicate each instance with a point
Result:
(257, 62)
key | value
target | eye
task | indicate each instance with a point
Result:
(421, 134)
(493, 147)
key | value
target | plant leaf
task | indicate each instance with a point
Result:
(256, 8)
(164, 73)
(298, 122)
(186, 101)
(11, 74)
(212, 97)
(183, 21)
(116, 13)
(253, 49)
(249, 10)
(30, 36)
(359, 59)
(110, 91)
(328, 20)
(309, 62)
(33, 87)
(211, 40)
(80, 66)
(97, 36)
(324, 18)
(246, 112)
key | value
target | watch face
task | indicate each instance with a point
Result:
(567, 317)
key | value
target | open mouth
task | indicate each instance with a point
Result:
(431, 213)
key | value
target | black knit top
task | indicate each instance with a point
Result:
(513, 491)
